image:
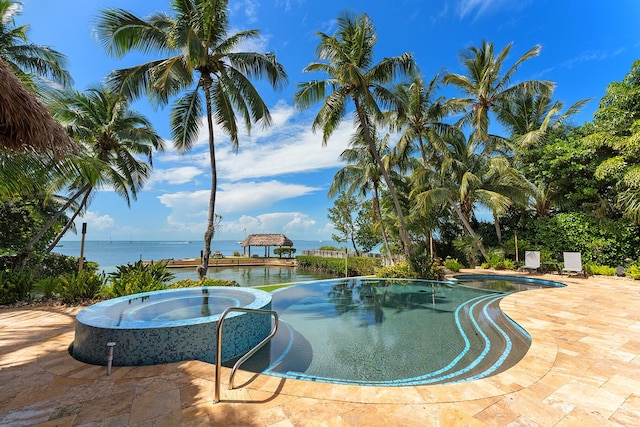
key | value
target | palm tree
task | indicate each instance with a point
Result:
(203, 64)
(529, 117)
(486, 88)
(113, 138)
(361, 176)
(26, 59)
(422, 125)
(465, 179)
(352, 76)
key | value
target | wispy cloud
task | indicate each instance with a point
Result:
(478, 8)
(288, 146)
(248, 8)
(582, 58)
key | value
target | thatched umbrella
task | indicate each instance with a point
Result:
(26, 123)
(266, 240)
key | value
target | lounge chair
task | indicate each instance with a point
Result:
(573, 263)
(531, 261)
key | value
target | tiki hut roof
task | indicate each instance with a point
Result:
(25, 122)
(267, 240)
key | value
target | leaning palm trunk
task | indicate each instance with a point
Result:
(378, 211)
(54, 218)
(68, 224)
(467, 226)
(402, 229)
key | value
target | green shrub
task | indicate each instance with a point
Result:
(356, 266)
(634, 272)
(423, 264)
(54, 265)
(330, 248)
(15, 285)
(509, 265)
(284, 251)
(600, 270)
(452, 264)
(485, 265)
(401, 270)
(47, 288)
(496, 258)
(77, 287)
(207, 281)
(138, 277)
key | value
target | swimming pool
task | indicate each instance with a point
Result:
(394, 332)
(170, 326)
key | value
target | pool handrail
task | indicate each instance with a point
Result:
(248, 354)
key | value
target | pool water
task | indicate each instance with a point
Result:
(392, 332)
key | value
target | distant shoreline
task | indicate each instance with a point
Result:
(227, 262)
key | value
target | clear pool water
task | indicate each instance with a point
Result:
(394, 332)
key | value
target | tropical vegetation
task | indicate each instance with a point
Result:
(472, 179)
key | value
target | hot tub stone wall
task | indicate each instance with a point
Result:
(150, 346)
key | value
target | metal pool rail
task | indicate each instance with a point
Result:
(250, 353)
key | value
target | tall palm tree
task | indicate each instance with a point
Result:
(203, 66)
(360, 176)
(113, 138)
(352, 76)
(486, 88)
(422, 125)
(28, 60)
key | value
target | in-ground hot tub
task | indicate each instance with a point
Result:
(170, 326)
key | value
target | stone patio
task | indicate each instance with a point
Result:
(583, 369)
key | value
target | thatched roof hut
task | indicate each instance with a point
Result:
(266, 240)
(26, 123)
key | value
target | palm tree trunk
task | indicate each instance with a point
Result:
(53, 219)
(208, 234)
(68, 224)
(496, 222)
(376, 207)
(402, 228)
(467, 226)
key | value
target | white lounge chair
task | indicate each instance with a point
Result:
(572, 263)
(531, 261)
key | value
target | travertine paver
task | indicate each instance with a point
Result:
(583, 369)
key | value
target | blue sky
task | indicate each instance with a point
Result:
(278, 181)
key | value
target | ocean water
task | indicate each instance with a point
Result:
(111, 254)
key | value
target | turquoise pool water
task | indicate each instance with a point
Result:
(395, 332)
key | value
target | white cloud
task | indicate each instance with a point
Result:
(244, 196)
(284, 148)
(189, 208)
(292, 224)
(174, 176)
(97, 221)
(234, 198)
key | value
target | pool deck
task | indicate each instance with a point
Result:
(583, 369)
